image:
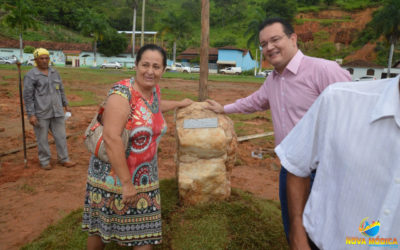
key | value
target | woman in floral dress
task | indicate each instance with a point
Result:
(122, 200)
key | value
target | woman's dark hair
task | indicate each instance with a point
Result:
(287, 27)
(151, 47)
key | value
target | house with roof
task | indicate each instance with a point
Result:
(65, 54)
(219, 58)
(394, 71)
(81, 55)
(361, 68)
(229, 56)
(192, 56)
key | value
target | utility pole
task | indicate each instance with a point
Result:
(143, 13)
(261, 56)
(134, 28)
(205, 30)
(255, 66)
(390, 56)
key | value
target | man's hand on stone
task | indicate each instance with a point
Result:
(214, 106)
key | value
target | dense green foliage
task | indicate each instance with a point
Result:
(232, 22)
(242, 222)
(113, 43)
(385, 22)
(29, 49)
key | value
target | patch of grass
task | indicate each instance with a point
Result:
(264, 142)
(357, 4)
(9, 77)
(66, 234)
(26, 188)
(310, 8)
(46, 32)
(233, 78)
(88, 98)
(246, 124)
(110, 76)
(201, 229)
(249, 117)
(240, 128)
(299, 21)
(93, 75)
(238, 161)
(326, 22)
(9, 94)
(172, 94)
(241, 222)
(215, 77)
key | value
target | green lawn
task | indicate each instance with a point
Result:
(110, 75)
(242, 222)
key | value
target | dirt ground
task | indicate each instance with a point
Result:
(31, 199)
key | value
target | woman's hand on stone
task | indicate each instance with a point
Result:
(185, 102)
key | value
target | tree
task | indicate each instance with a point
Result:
(308, 2)
(205, 34)
(253, 33)
(177, 26)
(286, 9)
(329, 2)
(192, 8)
(113, 43)
(20, 17)
(66, 13)
(386, 22)
(227, 40)
(273, 8)
(29, 49)
(253, 27)
(95, 25)
(225, 12)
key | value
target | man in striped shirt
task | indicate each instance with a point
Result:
(351, 136)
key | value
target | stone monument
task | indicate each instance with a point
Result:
(206, 146)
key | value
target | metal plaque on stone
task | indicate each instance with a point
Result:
(201, 123)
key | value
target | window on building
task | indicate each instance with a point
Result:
(370, 72)
(351, 70)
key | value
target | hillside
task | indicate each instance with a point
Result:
(327, 31)
(341, 29)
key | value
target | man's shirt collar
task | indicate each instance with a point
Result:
(38, 72)
(293, 65)
(388, 103)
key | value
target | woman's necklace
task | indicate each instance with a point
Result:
(154, 107)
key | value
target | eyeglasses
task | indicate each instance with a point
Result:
(273, 41)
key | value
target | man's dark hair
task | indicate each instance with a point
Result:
(151, 47)
(287, 27)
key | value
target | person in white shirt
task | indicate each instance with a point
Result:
(351, 134)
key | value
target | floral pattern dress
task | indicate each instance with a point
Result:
(104, 213)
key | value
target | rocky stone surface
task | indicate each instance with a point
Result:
(205, 156)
